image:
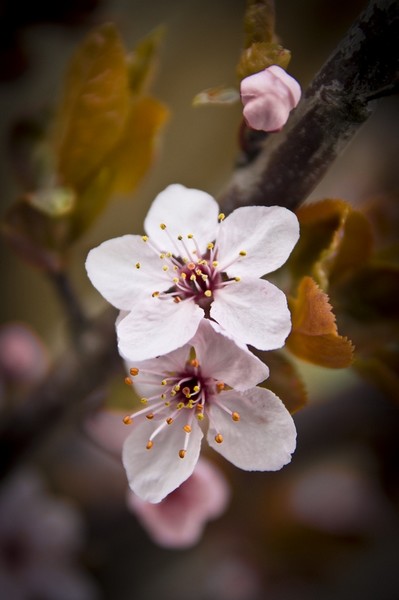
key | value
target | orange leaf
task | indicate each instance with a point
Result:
(314, 336)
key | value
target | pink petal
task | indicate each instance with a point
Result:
(221, 358)
(268, 97)
(155, 473)
(156, 326)
(178, 521)
(254, 312)
(111, 267)
(184, 211)
(266, 234)
(264, 437)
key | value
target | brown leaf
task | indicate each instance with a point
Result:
(94, 106)
(314, 336)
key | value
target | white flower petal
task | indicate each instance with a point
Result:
(221, 358)
(266, 233)
(156, 326)
(112, 269)
(183, 211)
(264, 437)
(155, 473)
(254, 311)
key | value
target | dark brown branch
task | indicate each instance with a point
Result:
(291, 163)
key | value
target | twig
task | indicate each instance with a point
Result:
(335, 105)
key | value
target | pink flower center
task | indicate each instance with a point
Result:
(187, 389)
(192, 275)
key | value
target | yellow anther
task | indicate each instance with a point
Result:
(127, 420)
(134, 371)
(150, 416)
(128, 381)
(138, 265)
(180, 405)
(204, 277)
(144, 238)
(208, 293)
(220, 386)
(162, 255)
(193, 277)
(168, 255)
(235, 416)
(191, 266)
(164, 382)
(143, 400)
(187, 428)
(167, 403)
(163, 396)
(185, 259)
(155, 294)
(175, 267)
(169, 421)
(182, 453)
(221, 217)
(196, 388)
(237, 278)
(210, 246)
(183, 275)
(149, 445)
(180, 237)
(218, 438)
(190, 236)
(200, 416)
(175, 279)
(243, 252)
(177, 388)
(173, 393)
(165, 268)
(198, 272)
(190, 404)
(162, 226)
(215, 263)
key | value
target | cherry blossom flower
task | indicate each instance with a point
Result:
(268, 98)
(178, 521)
(193, 264)
(209, 381)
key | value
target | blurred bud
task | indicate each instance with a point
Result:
(178, 521)
(268, 97)
(23, 356)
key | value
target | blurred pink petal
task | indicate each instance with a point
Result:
(178, 521)
(23, 356)
(268, 98)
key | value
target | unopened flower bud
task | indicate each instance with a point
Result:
(268, 98)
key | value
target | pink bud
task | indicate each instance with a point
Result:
(268, 97)
(178, 520)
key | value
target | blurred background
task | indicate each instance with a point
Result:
(326, 526)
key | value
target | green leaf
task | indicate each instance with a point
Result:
(142, 61)
(134, 154)
(94, 107)
(217, 95)
(261, 55)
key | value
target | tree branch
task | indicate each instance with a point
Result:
(290, 164)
